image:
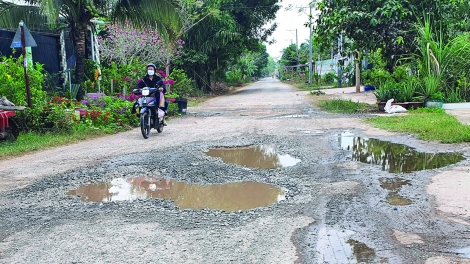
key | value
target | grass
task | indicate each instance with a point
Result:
(427, 124)
(343, 106)
(31, 142)
(430, 124)
(305, 86)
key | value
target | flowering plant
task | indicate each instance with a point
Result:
(171, 82)
(124, 44)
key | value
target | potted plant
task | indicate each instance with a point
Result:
(382, 95)
(410, 89)
(386, 91)
(435, 100)
(430, 86)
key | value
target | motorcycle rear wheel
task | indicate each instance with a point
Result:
(145, 125)
(160, 126)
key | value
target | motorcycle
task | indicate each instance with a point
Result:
(147, 107)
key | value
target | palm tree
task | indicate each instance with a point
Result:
(76, 15)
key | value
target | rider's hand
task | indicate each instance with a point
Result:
(160, 89)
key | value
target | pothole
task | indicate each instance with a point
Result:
(393, 157)
(363, 253)
(317, 132)
(335, 246)
(261, 157)
(292, 116)
(465, 252)
(228, 197)
(394, 186)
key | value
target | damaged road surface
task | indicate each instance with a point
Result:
(257, 176)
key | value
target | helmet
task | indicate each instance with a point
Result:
(152, 65)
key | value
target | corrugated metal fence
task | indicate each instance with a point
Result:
(47, 51)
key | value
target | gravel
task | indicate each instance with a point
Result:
(335, 210)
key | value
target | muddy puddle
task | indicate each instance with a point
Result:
(228, 197)
(261, 157)
(393, 157)
(336, 246)
(394, 186)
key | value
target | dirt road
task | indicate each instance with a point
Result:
(323, 207)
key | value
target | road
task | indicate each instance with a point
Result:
(167, 199)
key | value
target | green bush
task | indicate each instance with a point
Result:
(400, 74)
(115, 78)
(234, 77)
(182, 84)
(388, 90)
(13, 85)
(329, 78)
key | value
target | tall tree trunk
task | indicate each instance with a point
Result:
(167, 71)
(80, 64)
(207, 86)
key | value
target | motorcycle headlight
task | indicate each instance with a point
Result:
(145, 92)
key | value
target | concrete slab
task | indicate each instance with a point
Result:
(463, 115)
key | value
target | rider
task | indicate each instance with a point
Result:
(152, 80)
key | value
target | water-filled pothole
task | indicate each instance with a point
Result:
(261, 157)
(465, 252)
(393, 157)
(229, 197)
(394, 185)
(336, 246)
(363, 253)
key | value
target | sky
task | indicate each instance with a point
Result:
(288, 22)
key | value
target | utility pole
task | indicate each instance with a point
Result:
(310, 59)
(25, 65)
(340, 59)
(296, 47)
(310, 49)
(23, 39)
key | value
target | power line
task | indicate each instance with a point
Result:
(249, 7)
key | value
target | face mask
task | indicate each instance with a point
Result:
(151, 72)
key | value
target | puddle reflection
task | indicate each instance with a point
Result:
(228, 197)
(261, 157)
(395, 158)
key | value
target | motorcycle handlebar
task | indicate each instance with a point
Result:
(138, 91)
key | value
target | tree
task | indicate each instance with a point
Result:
(289, 56)
(386, 24)
(123, 44)
(270, 67)
(228, 29)
(76, 15)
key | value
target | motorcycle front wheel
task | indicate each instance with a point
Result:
(145, 124)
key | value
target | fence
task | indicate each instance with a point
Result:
(47, 52)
